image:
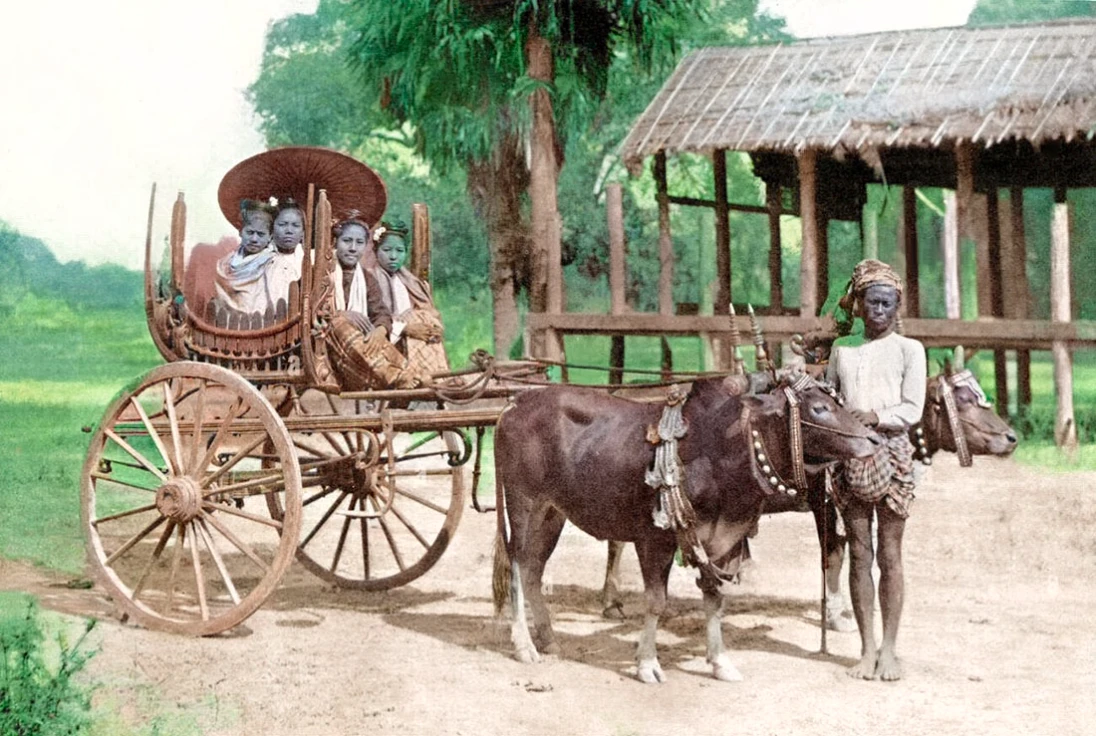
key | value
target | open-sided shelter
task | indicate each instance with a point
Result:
(984, 112)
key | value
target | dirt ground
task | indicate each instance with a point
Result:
(998, 636)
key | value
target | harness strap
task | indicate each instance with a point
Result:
(952, 414)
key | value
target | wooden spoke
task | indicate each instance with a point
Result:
(176, 563)
(347, 521)
(411, 528)
(128, 545)
(135, 455)
(153, 434)
(416, 497)
(196, 438)
(165, 537)
(215, 444)
(232, 511)
(391, 540)
(317, 496)
(235, 541)
(199, 579)
(173, 421)
(218, 561)
(244, 453)
(323, 519)
(110, 479)
(123, 514)
(274, 480)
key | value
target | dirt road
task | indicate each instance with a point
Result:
(998, 637)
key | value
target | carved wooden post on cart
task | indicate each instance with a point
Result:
(1065, 428)
(614, 212)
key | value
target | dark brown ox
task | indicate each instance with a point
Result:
(572, 453)
(983, 431)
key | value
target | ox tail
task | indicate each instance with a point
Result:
(500, 578)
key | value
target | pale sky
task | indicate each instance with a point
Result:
(100, 99)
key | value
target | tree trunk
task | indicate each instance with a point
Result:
(545, 292)
(494, 188)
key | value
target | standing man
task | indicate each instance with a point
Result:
(883, 382)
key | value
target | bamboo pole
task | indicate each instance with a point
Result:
(614, 211)
(665, 242)
(1065, 428)
(952, 298)
(808, 216)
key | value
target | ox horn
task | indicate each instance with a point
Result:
(761, 355)
(737, 364)
(959, 363)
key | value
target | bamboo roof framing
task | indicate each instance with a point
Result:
(861, 94)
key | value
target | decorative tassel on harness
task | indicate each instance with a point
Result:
(673, 510)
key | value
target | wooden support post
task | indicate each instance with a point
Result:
(1018, 304)
(776, 276)
(1065, 427)
(909, 247)
(722, 235)
(667, 367)
(665, 242)
(614, 211)
(952, 298)
(808, 216)
(616, 360)
(869, 233)
(420, 241)
(994, 276)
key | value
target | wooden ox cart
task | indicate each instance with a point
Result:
(208, 475)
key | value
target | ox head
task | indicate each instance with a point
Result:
(801, 421)
(983, 431)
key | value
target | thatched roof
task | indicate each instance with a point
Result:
(859, 94)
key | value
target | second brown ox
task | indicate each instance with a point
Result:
(568, 453)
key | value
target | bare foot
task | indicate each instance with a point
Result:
(888, 667)
(864, 669)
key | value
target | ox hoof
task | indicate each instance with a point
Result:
(842, 621)
(723, 670)
(650, 671)
(614, 610)
(527, 655)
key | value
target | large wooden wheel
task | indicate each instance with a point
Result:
(173, 531)
(379, 506)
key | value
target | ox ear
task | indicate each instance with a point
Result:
(764, 404)
(736, 385)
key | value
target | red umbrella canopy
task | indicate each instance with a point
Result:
(287, 172)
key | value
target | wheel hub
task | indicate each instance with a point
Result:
(180, 499)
